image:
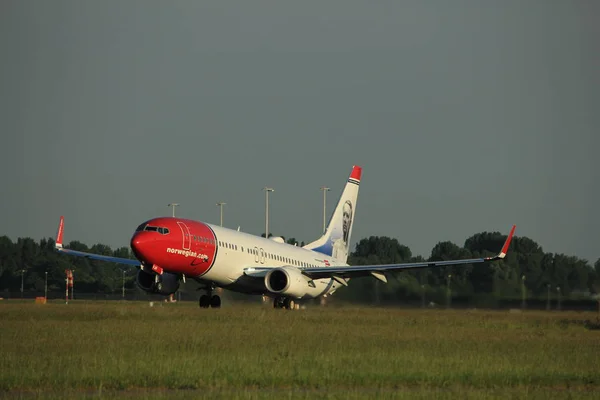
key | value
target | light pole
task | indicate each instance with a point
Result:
(267, 190)
(22, 280)
(558, 293)
(46, 287)
(221, 204)
(422, 296)
(548, 299)
(173, 205)
(123, 287)
(325, 190)
(449, 294)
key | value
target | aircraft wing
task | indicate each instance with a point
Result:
(61, 249)
(378, 271)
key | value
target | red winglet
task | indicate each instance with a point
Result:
(59, 234)
(356, 172)
(507, 243)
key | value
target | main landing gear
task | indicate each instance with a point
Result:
(285, 302)
(210, 300)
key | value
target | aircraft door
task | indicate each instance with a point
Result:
(185, 232)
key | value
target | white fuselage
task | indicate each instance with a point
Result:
(239, 251)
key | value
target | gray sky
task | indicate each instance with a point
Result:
(467, 116)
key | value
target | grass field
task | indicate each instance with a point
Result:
(176, 351)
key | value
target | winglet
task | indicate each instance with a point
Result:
(59, 234)
(507, 243)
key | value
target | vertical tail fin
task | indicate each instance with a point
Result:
(59, 233)
(335, 242)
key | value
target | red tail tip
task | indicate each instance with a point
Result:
(356, 172)
(59, 234)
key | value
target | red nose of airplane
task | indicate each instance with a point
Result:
(139, 244)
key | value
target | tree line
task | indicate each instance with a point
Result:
(526, 271)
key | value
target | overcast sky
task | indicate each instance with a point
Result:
(467, 116)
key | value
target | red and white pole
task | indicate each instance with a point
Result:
(67, 286)
(71, 282)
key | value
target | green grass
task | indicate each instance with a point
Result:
(131, 350)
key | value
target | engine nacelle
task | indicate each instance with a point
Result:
(290, 282)
(164, 284)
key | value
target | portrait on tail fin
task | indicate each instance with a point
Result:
(342, 245)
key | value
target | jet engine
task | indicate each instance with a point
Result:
(290, 282)
(164, 284)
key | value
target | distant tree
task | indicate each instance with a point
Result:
(379, 250)
(594, 282)
(526, 257)
(383, 249)
(444, 251)
(484, 278)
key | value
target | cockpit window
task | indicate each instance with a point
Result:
(141, 227)
(159, 229)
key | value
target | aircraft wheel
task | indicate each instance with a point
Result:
(204, 301)
(215, 302)
(291, 304)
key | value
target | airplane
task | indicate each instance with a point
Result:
(169, 250)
